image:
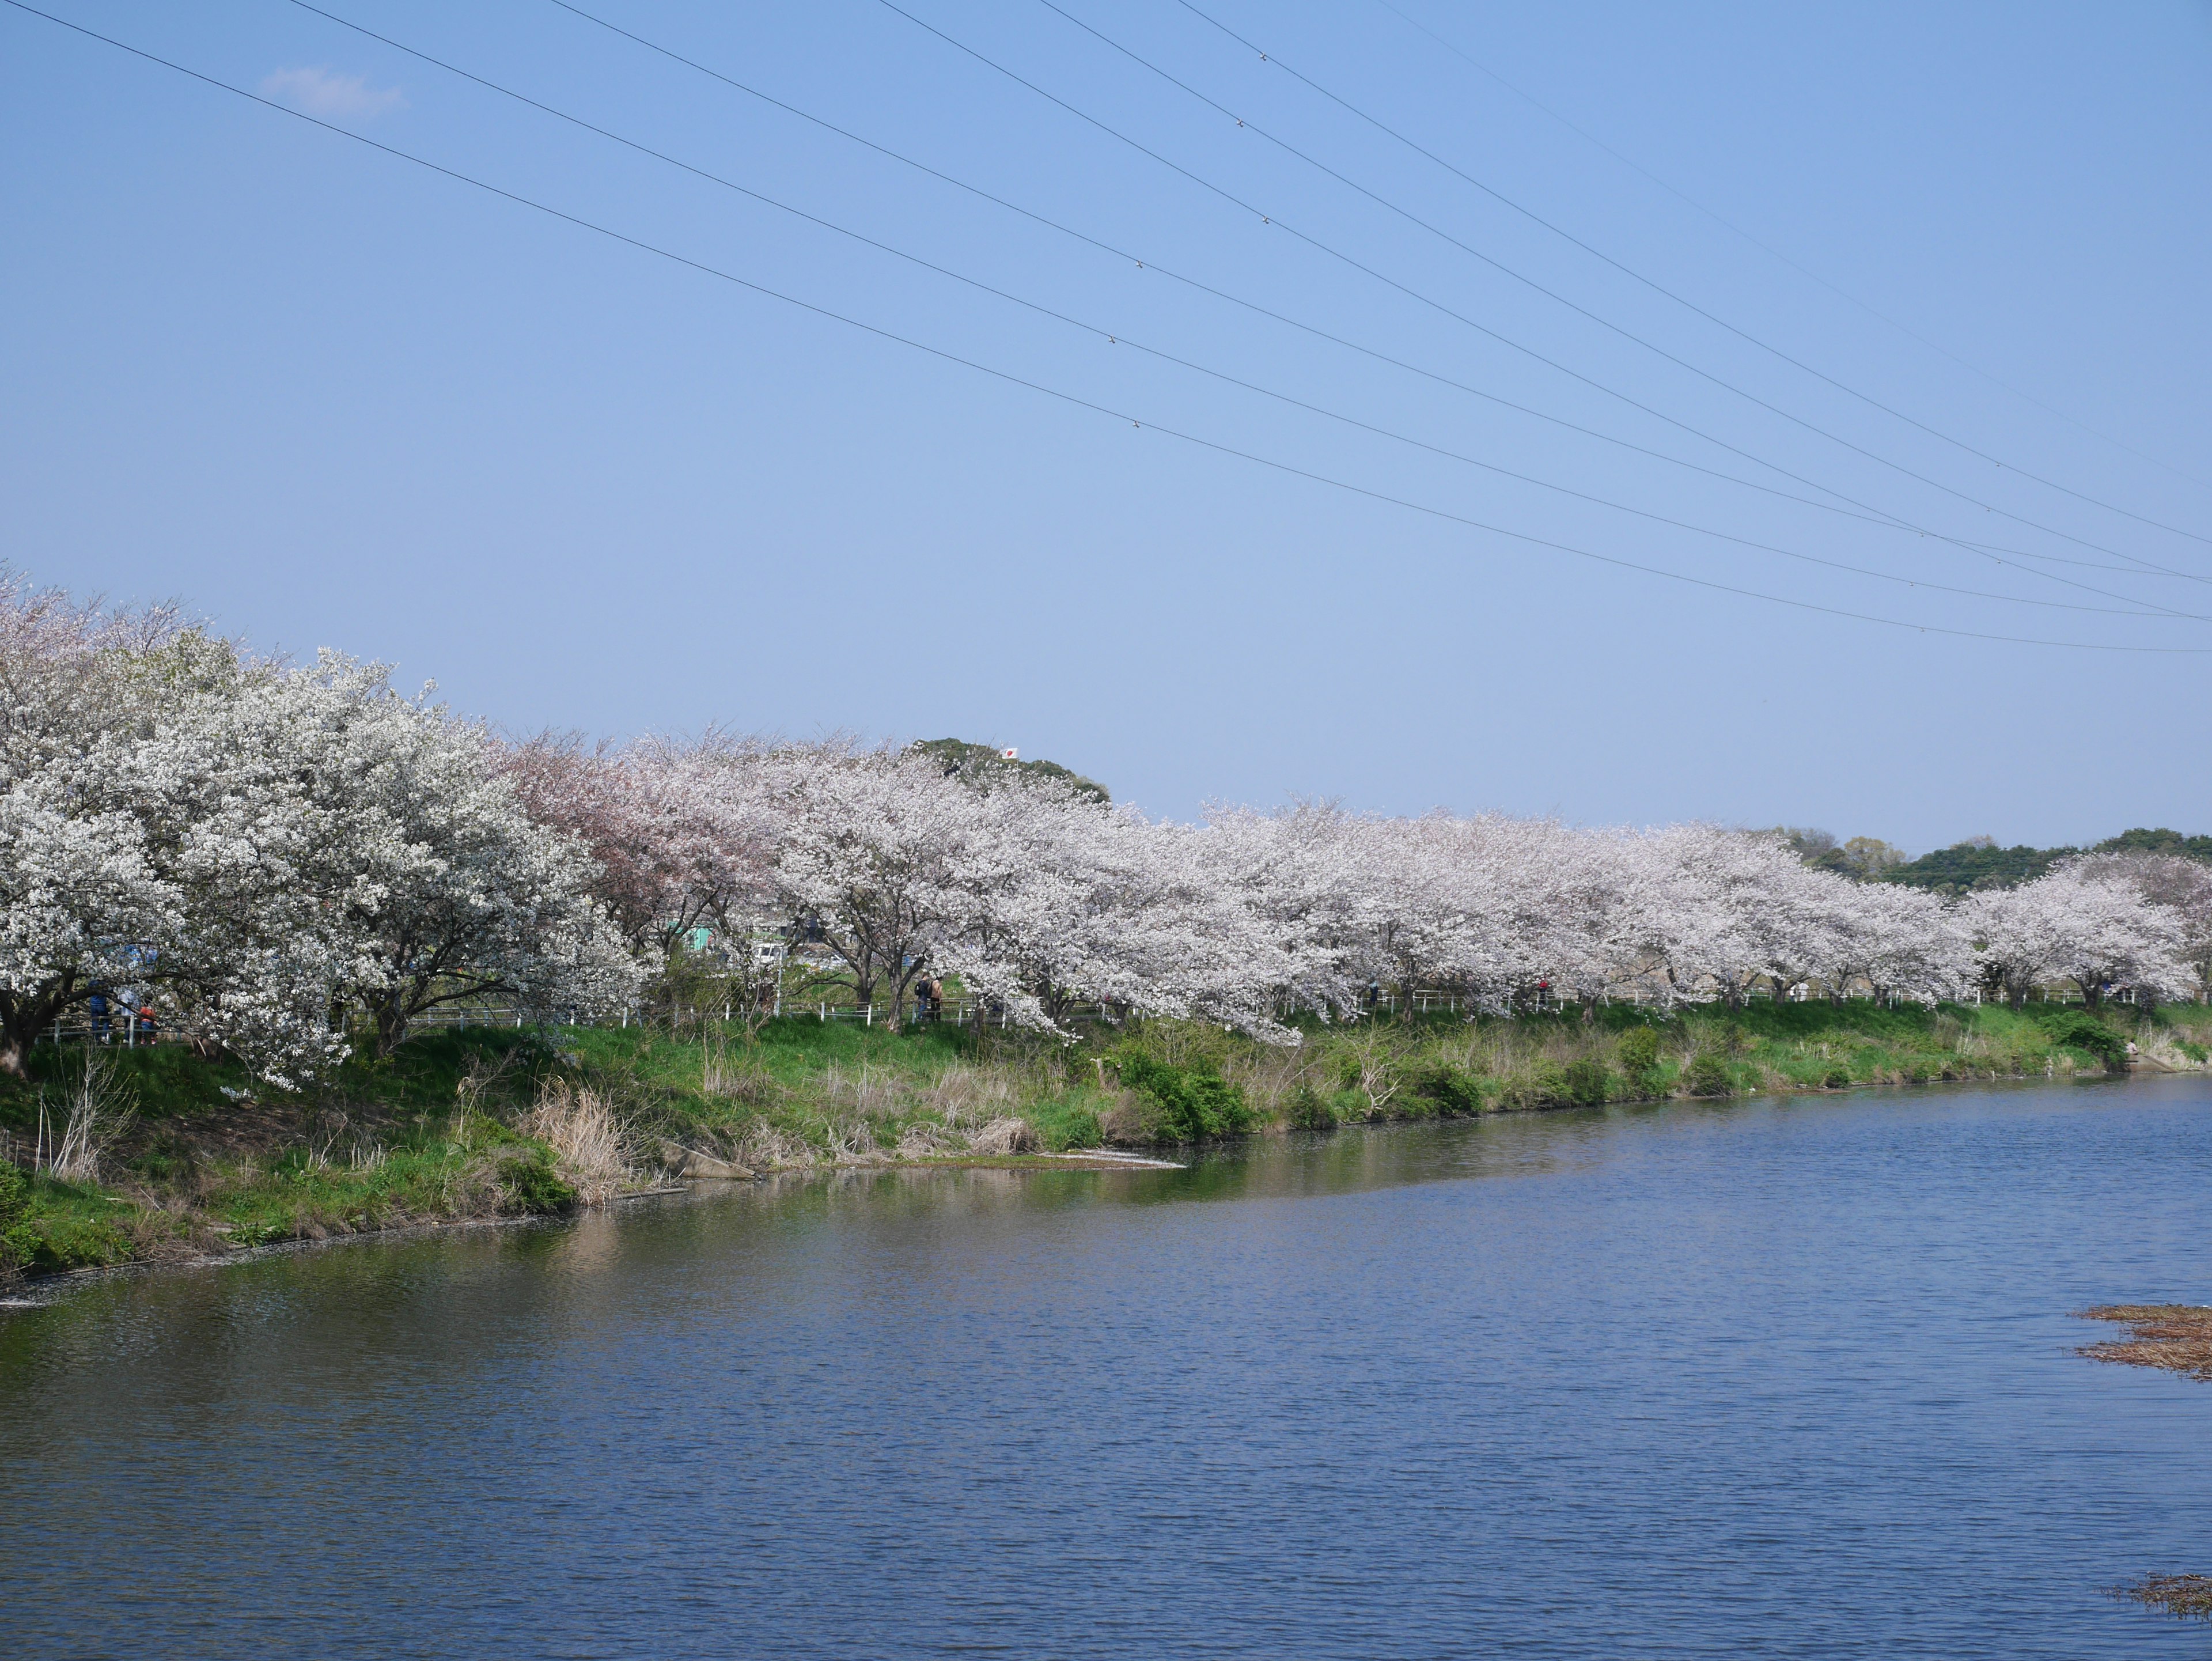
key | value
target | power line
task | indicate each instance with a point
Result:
(1772, 252)
(1460, 318)
(1657, 288)
(1070, 399)
(1533, 284)
(1113, 337)
(1853, 509)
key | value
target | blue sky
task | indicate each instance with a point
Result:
(331, 398)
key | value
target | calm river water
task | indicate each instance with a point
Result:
(1775, 1378)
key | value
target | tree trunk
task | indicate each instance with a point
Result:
(20, 1026)
(391, 1026)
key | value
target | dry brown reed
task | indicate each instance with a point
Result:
(2175, 1337)
(850, 1142)
(764, 1147)
(924, 1142)
(596, 1150)
(966, 1096)
(739, 1078)
(1004, 1136)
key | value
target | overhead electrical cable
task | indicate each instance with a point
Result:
(1629, 271)
(2136, 606)
(1459, 317)
(1580, 310)
(1773, 252)
(1072, 399)
(1851, 507)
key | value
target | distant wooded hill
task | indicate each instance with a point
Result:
(979, 762)
(1980, 863)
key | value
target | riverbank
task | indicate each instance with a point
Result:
(188, 1157)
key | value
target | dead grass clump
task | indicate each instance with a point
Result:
(853, 1142)
(765, 1148)
(1131, 1121)
(922, 1142)
(596, 1150)
(1003, 1136)
(963, 1095)
(741, 1078)
(872, 1092)
(2177, 1337)
(2187, 1597)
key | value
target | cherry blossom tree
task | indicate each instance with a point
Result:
(2183, 887)
(684, 835)
(1901, 942)
(1706, 903)
(1573, 924)
(1296, 873)
(455, 892)
(81, 893)
(1055, 898)
(2079, 924)
(864, 864)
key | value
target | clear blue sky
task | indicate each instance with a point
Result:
(330, 398)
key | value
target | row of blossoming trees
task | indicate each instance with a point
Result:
(280, 859)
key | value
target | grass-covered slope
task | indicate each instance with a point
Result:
(479, 1123)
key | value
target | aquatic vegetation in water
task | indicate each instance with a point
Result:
(2187, 1597)
(2177, 1337)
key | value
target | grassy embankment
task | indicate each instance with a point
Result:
(481, 1123)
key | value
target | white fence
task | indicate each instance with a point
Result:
(126, 1030)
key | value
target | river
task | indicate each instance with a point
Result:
(1781, 1378)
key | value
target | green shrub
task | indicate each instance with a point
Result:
(1707, 1074)
(1638, 1050)
(2196, 1052)
(1063, 1125)
(1836, 1077)
(1587, 1085)
(16, 1240)
(533, 1185)
(57, 1243)
(1454, 1091)
(2077, 1029)
(1194, 1101)
(1306, 1110)
(1543, 1085)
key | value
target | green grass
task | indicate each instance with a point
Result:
(439, 1131)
